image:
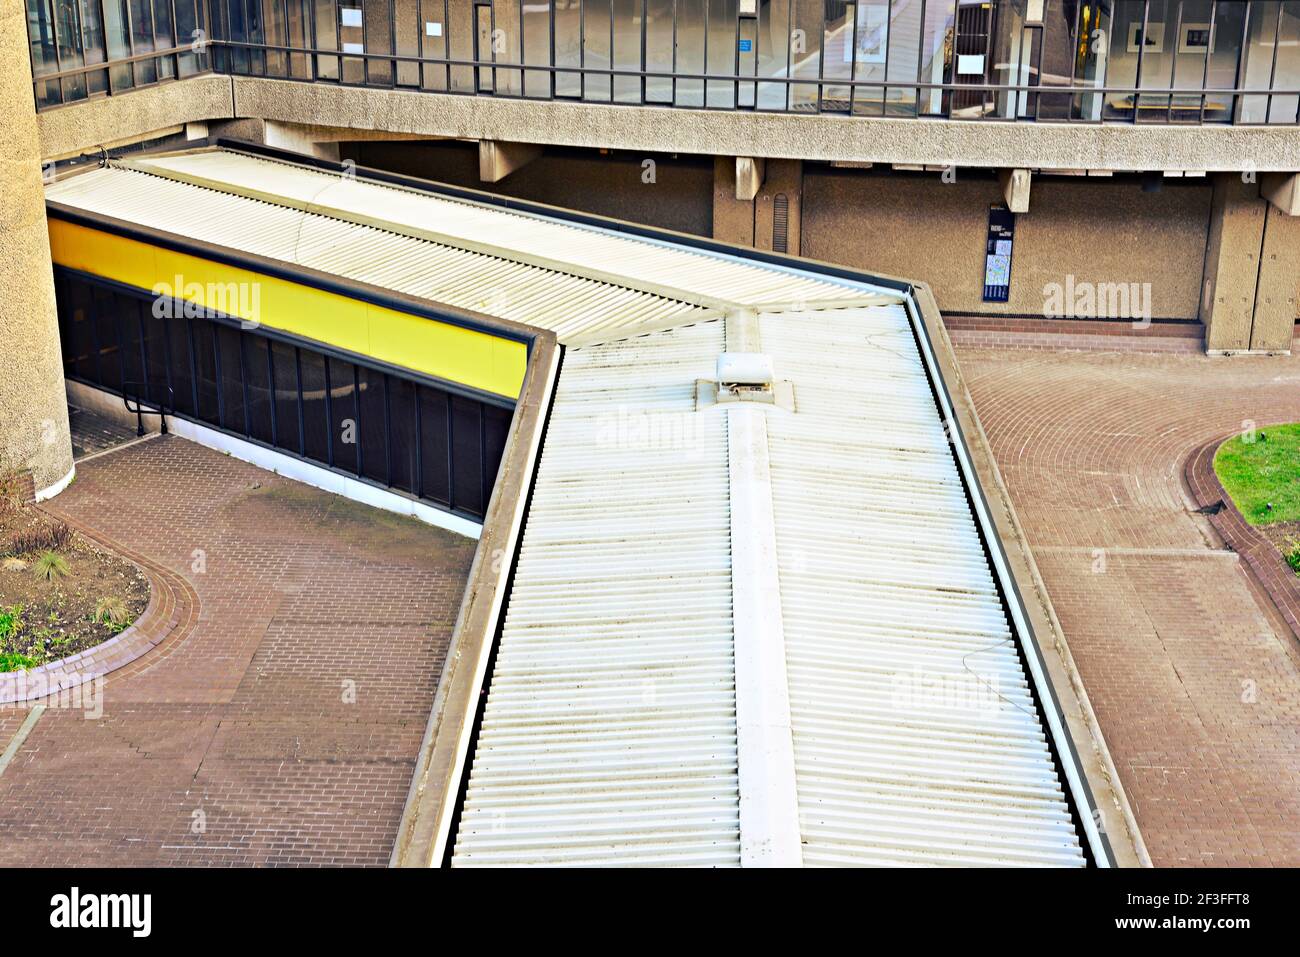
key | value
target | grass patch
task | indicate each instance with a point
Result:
(1261, 473)
(14, 662)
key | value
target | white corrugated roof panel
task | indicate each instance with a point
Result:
(494, 285)
(916, 737)
(609, 734)
(693, 272)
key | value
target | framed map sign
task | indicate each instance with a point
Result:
(997, 254)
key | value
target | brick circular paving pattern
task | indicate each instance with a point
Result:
(1193, 675)
(280, 720)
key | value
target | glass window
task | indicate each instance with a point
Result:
(374, 430)
(402, 437)
(178, 354)
(128, 315)
(257, 387)
(466, 454)
(230, 361)
(146, 71)
(327, 38)
(316, 425)
(537, 47)
(378, 39)
(205, 371)
(284, 362)
(45, 57)
(108, 335)
(435, 445)
(155, 354)
(92, 32)
(77, 304)
(344, 434)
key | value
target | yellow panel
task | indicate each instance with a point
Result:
(467, 356)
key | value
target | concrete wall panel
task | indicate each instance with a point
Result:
(1103, 230)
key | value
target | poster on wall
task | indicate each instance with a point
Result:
(997, 254)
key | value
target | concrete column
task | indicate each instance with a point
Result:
(733, 219)
(1232, 263)
(1279, 277)
(778, 207)
(33, 406)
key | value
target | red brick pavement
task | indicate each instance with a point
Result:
(236, 742)
(1194, 678)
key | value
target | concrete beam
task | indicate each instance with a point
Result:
(1015, 189)
(1282, 190)
(749, 177)
(132, 117)
(498, 159)
(377, 113)
(994, 145)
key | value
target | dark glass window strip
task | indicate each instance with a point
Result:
(367, 421)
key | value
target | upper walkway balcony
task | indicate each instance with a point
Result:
(1190, 62)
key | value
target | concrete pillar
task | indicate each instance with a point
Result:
(777, 208)
(1232, 263)
(733, 219)
(34, 434)
(1279, 276)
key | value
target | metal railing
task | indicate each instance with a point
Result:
(1025, 72)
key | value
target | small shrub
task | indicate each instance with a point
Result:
(111, 611)
(1292, 555)
(12, 661)
(11, 620)
(50, 566)
(47, 536)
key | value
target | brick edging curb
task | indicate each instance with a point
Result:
(170, 616)
(1260, 556)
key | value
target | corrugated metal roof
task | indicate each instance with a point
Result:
(609, 735)
(915, 735)
(494, 285)
(687, 274)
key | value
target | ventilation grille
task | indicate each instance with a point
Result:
(780, 223)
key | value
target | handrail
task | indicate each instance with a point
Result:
(145, 406)
(1162, 96)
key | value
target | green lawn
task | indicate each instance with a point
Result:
(1262, 472)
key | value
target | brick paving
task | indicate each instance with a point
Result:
(280, 726)
(1194, 676)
